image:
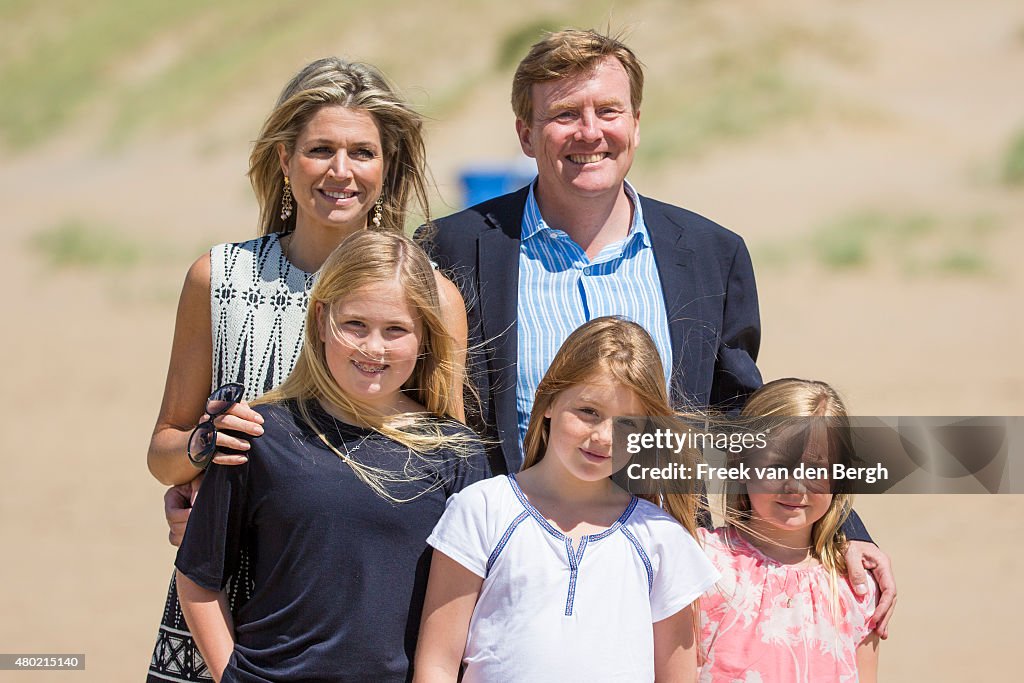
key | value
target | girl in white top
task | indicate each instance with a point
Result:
(556, 573)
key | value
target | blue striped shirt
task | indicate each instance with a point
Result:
(561, 288)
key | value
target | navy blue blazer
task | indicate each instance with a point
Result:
(706, 278)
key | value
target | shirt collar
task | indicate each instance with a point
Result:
(534, 223)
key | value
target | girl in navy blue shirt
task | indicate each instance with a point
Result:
(359, 455)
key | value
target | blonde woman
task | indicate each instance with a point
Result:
(339, 152)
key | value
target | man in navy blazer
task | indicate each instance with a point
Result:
(577, 98)
(583, 130)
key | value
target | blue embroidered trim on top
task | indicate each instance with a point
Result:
(576, 557)
(633, 502)
(547, 526)
(504, 540)
(574, 570)
(534, 512)
(643, 556)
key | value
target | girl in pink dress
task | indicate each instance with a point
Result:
(784, 610)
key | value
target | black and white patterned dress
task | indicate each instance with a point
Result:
(258, 303)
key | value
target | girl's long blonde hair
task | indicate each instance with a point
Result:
(364, 259)
(616, 349)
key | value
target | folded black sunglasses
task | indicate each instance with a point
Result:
(202, 442)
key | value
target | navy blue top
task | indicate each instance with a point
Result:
(339, 573)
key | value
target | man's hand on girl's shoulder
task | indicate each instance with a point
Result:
(862, 557)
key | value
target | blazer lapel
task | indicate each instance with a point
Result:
(498, 272)
(683, 296)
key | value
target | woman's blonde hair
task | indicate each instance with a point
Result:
(830, 428)
(365, 259)
(610, 348)
(334, 82)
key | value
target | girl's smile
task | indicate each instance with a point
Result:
(369, 369)
(594, 456)
(372, 341)
(785, 518)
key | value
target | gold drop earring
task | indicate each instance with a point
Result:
(378, 211)
(286, 200)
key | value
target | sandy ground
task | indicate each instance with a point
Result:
(926, 112)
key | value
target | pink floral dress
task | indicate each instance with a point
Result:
(766, 622)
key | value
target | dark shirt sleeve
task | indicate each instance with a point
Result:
(736, 374)
(854, 528)
(209, 553)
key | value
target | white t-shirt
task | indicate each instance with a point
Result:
(554, 610)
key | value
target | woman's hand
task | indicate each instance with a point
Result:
(233, 428)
